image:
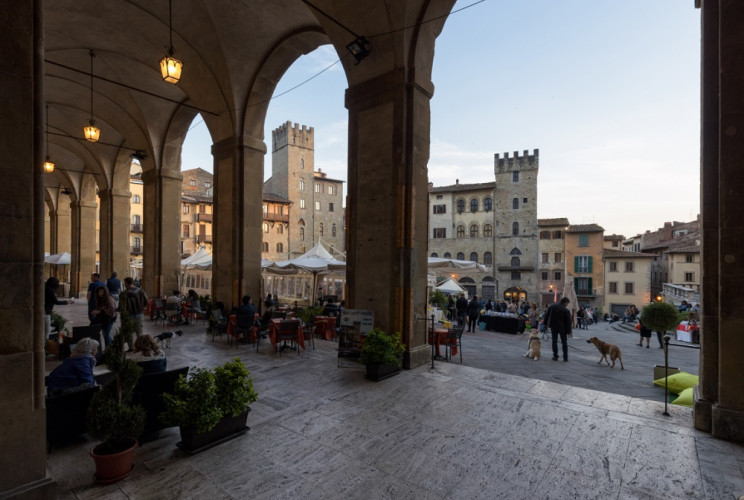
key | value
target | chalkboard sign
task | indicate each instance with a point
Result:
(354, 324)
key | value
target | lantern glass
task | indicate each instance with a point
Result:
(171, 68)
(48, 166)
(92, 133)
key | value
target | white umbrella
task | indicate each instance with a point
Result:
(570, 293)
(442, 263)
(63, 259)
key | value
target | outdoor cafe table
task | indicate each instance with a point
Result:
(325, 327)
(275, 325)
(440, 338)
(503, 325)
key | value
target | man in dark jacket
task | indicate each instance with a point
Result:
(462, 309)
(473, 313)
(558, 319)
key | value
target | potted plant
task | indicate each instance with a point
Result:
(210, 406)
(660, 316)
(382, 353)
(111, 417)
(308, 314)
(58, 322)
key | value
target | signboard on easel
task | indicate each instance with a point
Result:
(355, 323)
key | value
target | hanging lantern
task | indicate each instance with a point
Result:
(92, 133)
(48, 166)
(171, 68)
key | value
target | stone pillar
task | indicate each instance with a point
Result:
(387, 205)
(161, 229)
(83, 246)
(238, 201)
(114, 235)
(719, 405)
(22, 212)
(63, 226)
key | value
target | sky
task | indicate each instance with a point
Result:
(607, 90)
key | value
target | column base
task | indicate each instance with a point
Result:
(727, 423)
(43, 489)
(417, 356)
(702, 412)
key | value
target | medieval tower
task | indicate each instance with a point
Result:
(515, 232)
(316, 213)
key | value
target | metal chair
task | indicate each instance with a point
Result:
(217, 323)
(172, 314)
(287, 331)
(308, 332)
(454, 339)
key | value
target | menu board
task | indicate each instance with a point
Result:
(355, 323)
(363, 320)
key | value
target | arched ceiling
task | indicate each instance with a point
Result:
(234, 53)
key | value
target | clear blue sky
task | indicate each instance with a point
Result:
(607, 90)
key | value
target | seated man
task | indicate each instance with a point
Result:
(245, 316)
(76, 372)
(148, 354)
(331, 308)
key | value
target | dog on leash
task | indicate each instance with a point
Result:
(533, 346)
(607, 349)
(166, 337)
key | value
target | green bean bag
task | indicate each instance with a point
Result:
(678, 382)
(684, 398)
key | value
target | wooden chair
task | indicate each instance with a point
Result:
(172, 312)
(217, 323)
(454, 339)
(287, 331)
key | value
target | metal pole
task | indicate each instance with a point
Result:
(432, 341)
(666, 374)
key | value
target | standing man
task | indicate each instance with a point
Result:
(558, 319)
(133, 301)
(114, 286)
(474, 308)
(461, 306)
(95, 282)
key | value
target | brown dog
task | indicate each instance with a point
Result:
(606, 348)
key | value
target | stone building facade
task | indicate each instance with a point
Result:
(515, 229)
(552, 250)
(317, 200)
(584, 262)
(275, 227)
(627, 280)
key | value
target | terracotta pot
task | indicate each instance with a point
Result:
(112, 467)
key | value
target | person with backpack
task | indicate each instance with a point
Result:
(134, 301)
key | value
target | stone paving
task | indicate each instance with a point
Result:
(455, 431)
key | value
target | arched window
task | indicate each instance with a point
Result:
(136, 220)
(487, 258)
(302, 184)
(279, 248)
(474, 256)
(515, 261)
(333, 230)
(434, 254)
(265, 227)
(447, 255)
(474, 205)
(136, 199)
(515, 203)
(487, 230)
(460, 231)
(460, 256)
(474, 230)
(302, 233)
(488, 204)
(515, 228)
(265, 246)
(320, 229)
(280, 229)
(515, 251)
(302, 163)
(460, 206)
(137, 242)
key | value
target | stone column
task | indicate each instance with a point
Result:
(387, 204)
(114, 235)
(162, 260)
(22, 211)
(719, 405)
(63, 226)
(238, 200)
(83, 246)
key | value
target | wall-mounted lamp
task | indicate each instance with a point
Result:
(170, 67)
(48, 164)
(359, 48)
(92, 133)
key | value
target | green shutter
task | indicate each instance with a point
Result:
(590, 285)
(576, 285)
(590, 265)
(576, 264)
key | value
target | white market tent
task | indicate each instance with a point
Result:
(62, 259)
(451, 287)
(442, 263)
(200, 260)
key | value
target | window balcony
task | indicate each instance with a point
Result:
(207, 238)
(136, 250)
(274, 217)
(201, 217)
(136, 228)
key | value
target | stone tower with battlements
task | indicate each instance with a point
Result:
(316, 213)
(515, 231)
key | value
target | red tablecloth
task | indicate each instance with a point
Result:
(440, 338)
(232, 328)
(275, 325)
(325, 327)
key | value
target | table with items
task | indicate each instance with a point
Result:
(502, 323)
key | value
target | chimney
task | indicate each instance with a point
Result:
(457, 182)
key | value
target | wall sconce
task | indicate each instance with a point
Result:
(359, 48)
(92, 133)
(170, 67)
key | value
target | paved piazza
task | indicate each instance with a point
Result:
(496, 426)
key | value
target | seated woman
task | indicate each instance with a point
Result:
(76, 372)
(148, 354)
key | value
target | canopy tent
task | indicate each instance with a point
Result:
(569, 292)
(439, 263)
(317, 261)
(452, 287)
(200, 260)
(62, 259)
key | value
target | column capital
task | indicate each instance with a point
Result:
(225, 147)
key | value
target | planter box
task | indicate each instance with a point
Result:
(229, 427)
(377, 372)
(659, 371)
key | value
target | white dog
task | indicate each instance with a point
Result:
(533, 346)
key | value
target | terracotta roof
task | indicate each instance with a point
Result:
(560, 221)
(619, 254)
(275, 198)
(585, 228)
(614, 237)
(463, 187)
(688, 249)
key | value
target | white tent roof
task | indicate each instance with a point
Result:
(451, 286)
(315, 260)
(201, 259)
(63, 258)
(438, 262)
